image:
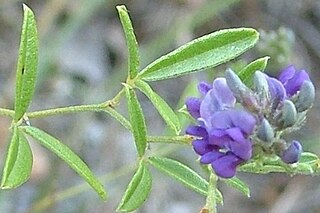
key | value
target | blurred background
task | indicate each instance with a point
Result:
(83, 59)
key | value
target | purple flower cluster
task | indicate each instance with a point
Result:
(232, 118)
(223, 130)
(288, 85)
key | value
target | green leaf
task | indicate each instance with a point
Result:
(137, 121)
(276, 165)
(184, 175)
(261, 169)
(181, 173)
(303, 168)
(239, 185)
(122, 120)
(67, 155)
(27, 64)
(247, 72)
(309, 158)
(178, 139)
(18, 165)
(137, 191)
(133, 61)
(205, 52)
(163, 108)
(219, 197)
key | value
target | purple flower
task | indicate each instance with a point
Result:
(218, 98)
(193, 106)
(223, 131)
(193, 103)
(276, 89)
(226, 165)
(292, 79)
(230, 129)
(204, 87)
(230, 115)
(292, 153)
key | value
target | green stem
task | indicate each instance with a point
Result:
(69, 109)
(185, 139)
(7, 112)
(211, 204)
(82, 108)
(116, 99)
(106, 106)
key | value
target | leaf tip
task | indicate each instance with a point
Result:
(5, 187)
(26, 8)
(103, 195)
(121, 8)
(119, 209)
(255, 34)
(4, 184)
(265, 59)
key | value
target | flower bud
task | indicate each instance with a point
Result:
(242, 93)
(292, 153)
(289, 113)
(261, 86)
(204, 87)
(235, 84)
(265, 132)
(193, 107)
(306, 96)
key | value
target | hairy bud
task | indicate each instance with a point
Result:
(261, 86)
(306, 96)
(242, 93)
(235, 84)
(289, 113)
(265, 132)
(292, 153)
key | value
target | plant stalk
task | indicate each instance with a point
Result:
(7, 112)
(211, 203)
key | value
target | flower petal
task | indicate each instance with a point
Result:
(235, 133)
(240, 146)
(219, 137)
(193, 106)
(294, 84)
(197, 131)
(204, 87)
(287, 73)
(219, 98)
(277, 91)
(220, 120)
(209, 105)
(209, 157)
(201, 146)
(223, 93)
(244, 120)
(226, 165)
